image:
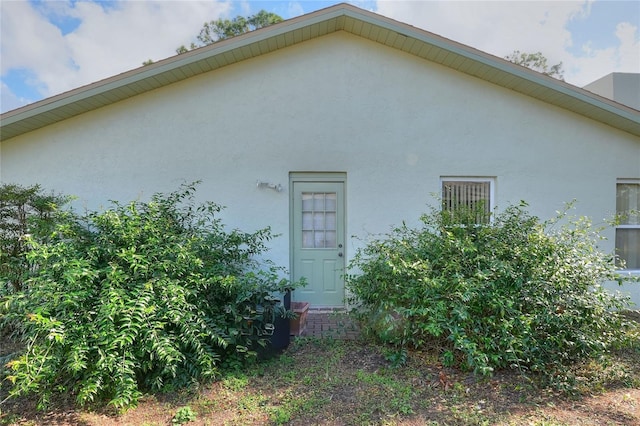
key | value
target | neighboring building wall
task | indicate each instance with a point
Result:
(393, 122)
(623, 88)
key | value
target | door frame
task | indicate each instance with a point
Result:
(320, 177)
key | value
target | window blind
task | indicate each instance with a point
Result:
(468, 196)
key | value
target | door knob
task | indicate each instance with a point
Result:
(340, 254)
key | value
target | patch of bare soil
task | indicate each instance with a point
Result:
(616, 407)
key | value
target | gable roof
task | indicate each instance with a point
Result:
(341, 17)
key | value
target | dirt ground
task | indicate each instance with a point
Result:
(333, 382)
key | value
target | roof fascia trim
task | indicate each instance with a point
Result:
(168, 65)
(334, 12)
(503, 65)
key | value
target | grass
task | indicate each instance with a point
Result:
(338, 382)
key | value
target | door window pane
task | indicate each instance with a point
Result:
(307, 239)
(330, 221)
(318, 202)
(319, 219)
(307, 201)
(330, 202)
(330, 239)
(307, 221)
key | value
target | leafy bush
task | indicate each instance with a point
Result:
(23, 210)
(513, 293)
(142, 296)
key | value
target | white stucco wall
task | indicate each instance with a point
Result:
(393, 122)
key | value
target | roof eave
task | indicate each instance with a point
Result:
(336, 18)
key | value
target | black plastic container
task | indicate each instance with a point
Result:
(280, 338)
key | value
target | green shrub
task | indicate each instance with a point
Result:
(23, 211)
(142, 296)
(512, 293)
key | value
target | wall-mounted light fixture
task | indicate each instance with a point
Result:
(275, 187)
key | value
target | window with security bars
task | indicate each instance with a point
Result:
(468, 200)
(628, 229)
(319, 220)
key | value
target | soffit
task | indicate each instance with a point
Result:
(337, 18)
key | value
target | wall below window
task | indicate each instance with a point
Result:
(630, 289)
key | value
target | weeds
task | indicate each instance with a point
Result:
(184, 415)
(350, 382)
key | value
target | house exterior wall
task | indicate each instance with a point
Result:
(392, 122)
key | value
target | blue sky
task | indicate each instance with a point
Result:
(52, 46)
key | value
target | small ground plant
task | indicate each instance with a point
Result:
(184, 415)
(512, 293)
(142, 296)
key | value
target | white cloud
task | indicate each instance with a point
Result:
(108, 41)
(9, 100)
(500, 27)
(29, 40)
(294, 8)
(495, 27)
(112, 39)
(629, 50)
(596, 63)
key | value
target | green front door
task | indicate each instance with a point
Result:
(317, 240)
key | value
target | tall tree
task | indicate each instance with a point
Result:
(537, 62)
(221, 29)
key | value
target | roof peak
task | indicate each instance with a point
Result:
(339, 17)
